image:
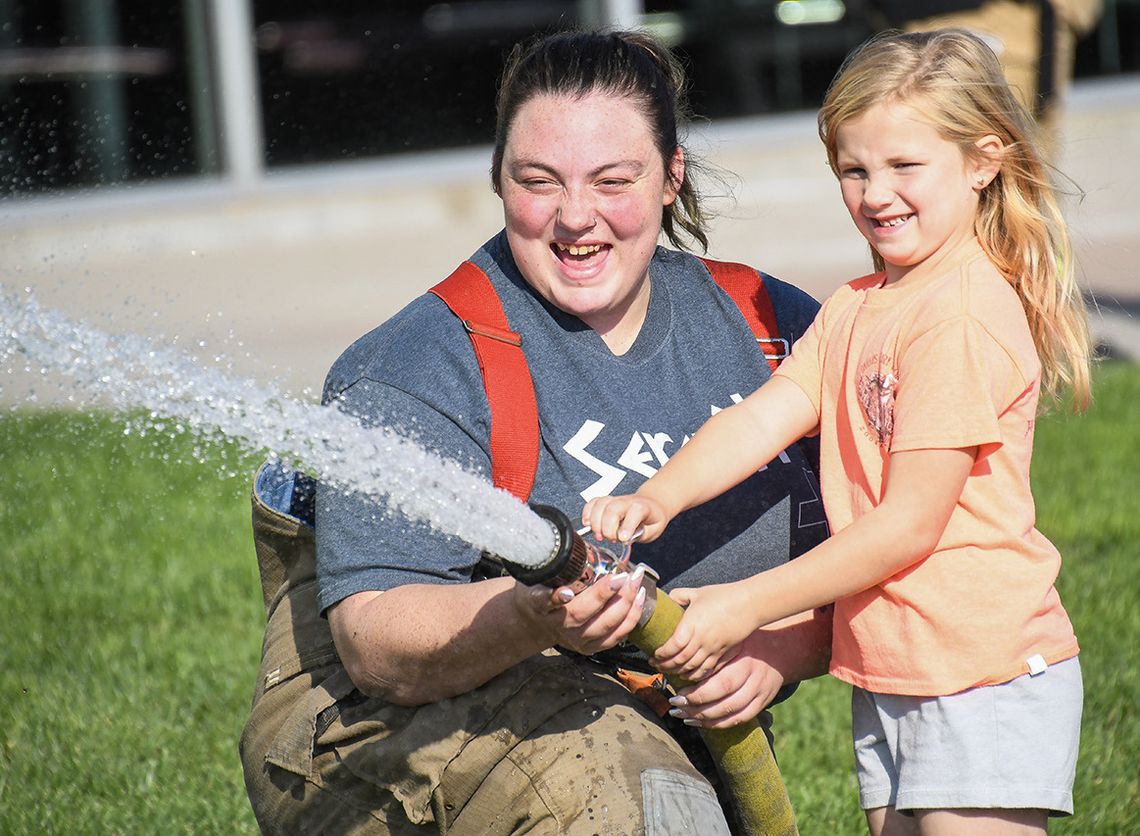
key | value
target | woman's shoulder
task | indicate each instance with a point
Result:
(788, 300)
(785, 295)
(415, 346)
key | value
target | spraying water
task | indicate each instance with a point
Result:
(133, 371)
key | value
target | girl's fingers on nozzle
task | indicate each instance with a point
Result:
(628, 522)
(588, 514)
(673, 652)
(692, 663)
(611, 520)
(706, 668)
(599, 519)
(680, 662)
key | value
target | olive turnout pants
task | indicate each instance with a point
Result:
(553, 745)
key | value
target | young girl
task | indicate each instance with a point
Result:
(922, 381)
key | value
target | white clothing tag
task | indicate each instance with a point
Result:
(1036, 664)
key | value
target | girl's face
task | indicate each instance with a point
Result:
(583, 187)
(912, 194)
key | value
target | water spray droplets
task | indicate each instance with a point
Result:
(177, 394)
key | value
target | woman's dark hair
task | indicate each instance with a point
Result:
(632, 65)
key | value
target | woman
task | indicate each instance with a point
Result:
(445, 703)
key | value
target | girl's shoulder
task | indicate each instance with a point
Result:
(979, 295)
(854, 290)
(979, 291)
(863, 283)
(851, 293)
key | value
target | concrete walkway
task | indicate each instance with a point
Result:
(280, 278)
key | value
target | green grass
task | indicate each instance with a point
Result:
(130, 633)
(132, 621)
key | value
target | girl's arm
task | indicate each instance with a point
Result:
(728, 448)
(922, 489)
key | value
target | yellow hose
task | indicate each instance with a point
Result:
(742, 754)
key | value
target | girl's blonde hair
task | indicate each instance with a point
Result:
(955, 81)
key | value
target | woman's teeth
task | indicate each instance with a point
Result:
(574, 249)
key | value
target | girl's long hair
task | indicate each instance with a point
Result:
(955, 81)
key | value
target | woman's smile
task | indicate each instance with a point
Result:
(581, 264)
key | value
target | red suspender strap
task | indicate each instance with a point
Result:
(746, 288)
(506, 377)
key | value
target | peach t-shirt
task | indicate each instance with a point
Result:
(948, 362)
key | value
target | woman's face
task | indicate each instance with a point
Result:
(583, 187)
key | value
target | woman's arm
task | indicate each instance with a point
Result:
(420, 643)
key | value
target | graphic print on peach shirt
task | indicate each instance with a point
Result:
(877, 383)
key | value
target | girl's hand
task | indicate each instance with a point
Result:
(735, 693)
(716, 618)
(618, 517)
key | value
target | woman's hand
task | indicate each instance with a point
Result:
(619, 517)
(716, 618)
(595, 619)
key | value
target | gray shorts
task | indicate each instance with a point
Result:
(1011, 746)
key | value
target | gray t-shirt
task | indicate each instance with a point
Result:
(606, 424)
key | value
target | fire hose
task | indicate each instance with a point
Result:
(743, 758)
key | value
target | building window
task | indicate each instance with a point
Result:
(351, 79)
(96, 93)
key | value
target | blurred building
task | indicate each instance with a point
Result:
(266, 180)
(97, 93)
